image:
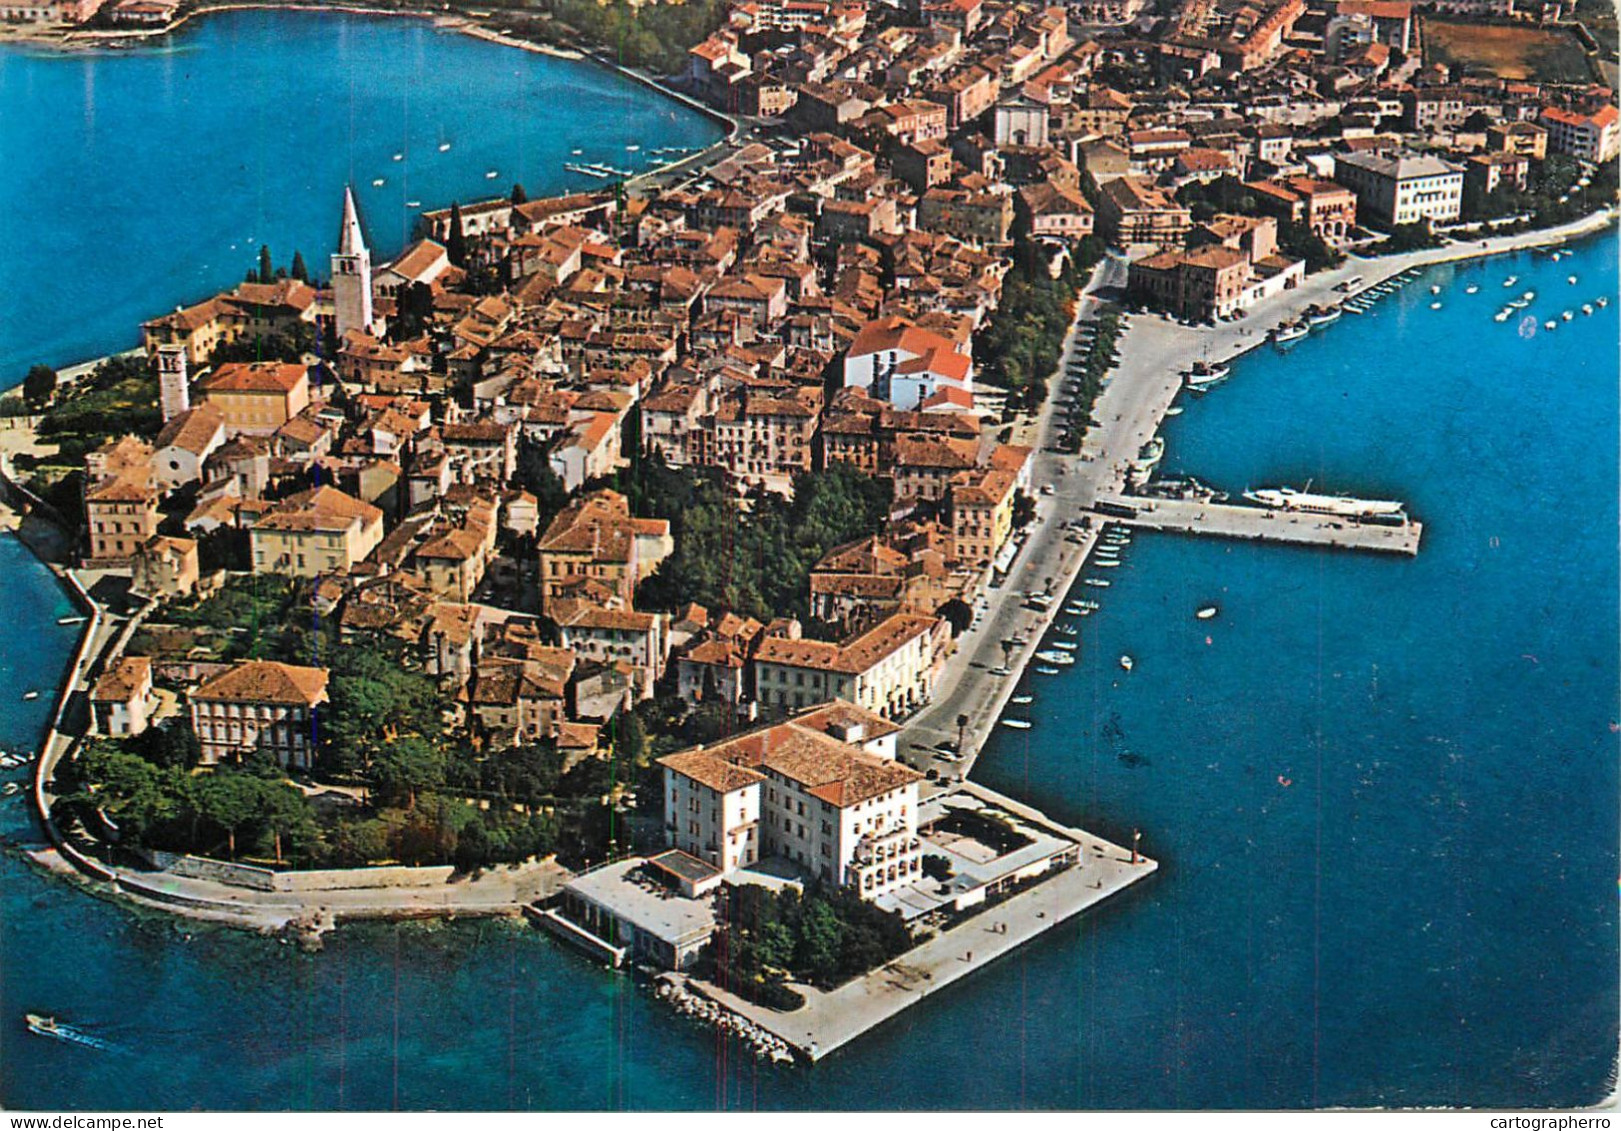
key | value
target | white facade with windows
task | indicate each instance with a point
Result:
(829, 805)
(1404, 189)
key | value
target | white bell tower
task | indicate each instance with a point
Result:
(351, 273)
(173, 396)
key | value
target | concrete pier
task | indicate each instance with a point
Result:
(1261, 524)
(831, 1019)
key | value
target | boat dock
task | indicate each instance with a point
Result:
(1262, 524)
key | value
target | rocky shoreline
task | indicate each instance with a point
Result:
(672, 988)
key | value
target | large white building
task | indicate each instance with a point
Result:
(1587, 137)
(893, 360)
(1403, 189)
(822, 791)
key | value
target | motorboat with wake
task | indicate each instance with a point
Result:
(44, 1026)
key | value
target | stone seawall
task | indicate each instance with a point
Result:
(254, 878)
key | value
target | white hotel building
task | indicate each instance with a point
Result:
(1403, 189)
(822, 791)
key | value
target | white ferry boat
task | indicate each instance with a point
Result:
(1289, 499)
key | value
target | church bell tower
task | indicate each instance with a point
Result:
(351, 274)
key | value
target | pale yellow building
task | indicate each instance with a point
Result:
(982, 514)
(890, 669)
(316, 532)
(257, 397)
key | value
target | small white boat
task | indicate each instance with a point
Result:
(29, 696)
(1602, 300)
(1106, 563)
(632, 148)
(1571, 280)
(1435, 290)
(413, 204)
(1066, 645)
(1097, 583)
(1529, 295)
(1472, 289)
(575, 152)
(1017, 724)
(1046, 671)
(1174, 410)
(444, 147)
(399, 157)
(1568, 315)
(1435, 306)
(1511, 280)
(1022, 700)
(378, 182)
(1549, 324)
(70, 620)
(1501, 315)
(1207, 612)
(492, 174)
(1587, 308)
(1127, 662)
(11, 789)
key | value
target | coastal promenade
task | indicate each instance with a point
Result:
(833, 1018)
(1154, 353)
(1258, 524)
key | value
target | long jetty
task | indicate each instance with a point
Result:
(1262, 524)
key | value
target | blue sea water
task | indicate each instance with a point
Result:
(138, 180)
(1383, 791)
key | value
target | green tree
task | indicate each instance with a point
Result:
(267, 270)
(456, 244)
(519, 196)
(300, 272)
(405, 769)
(230, 802)
(472, 847)
(39, 385)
